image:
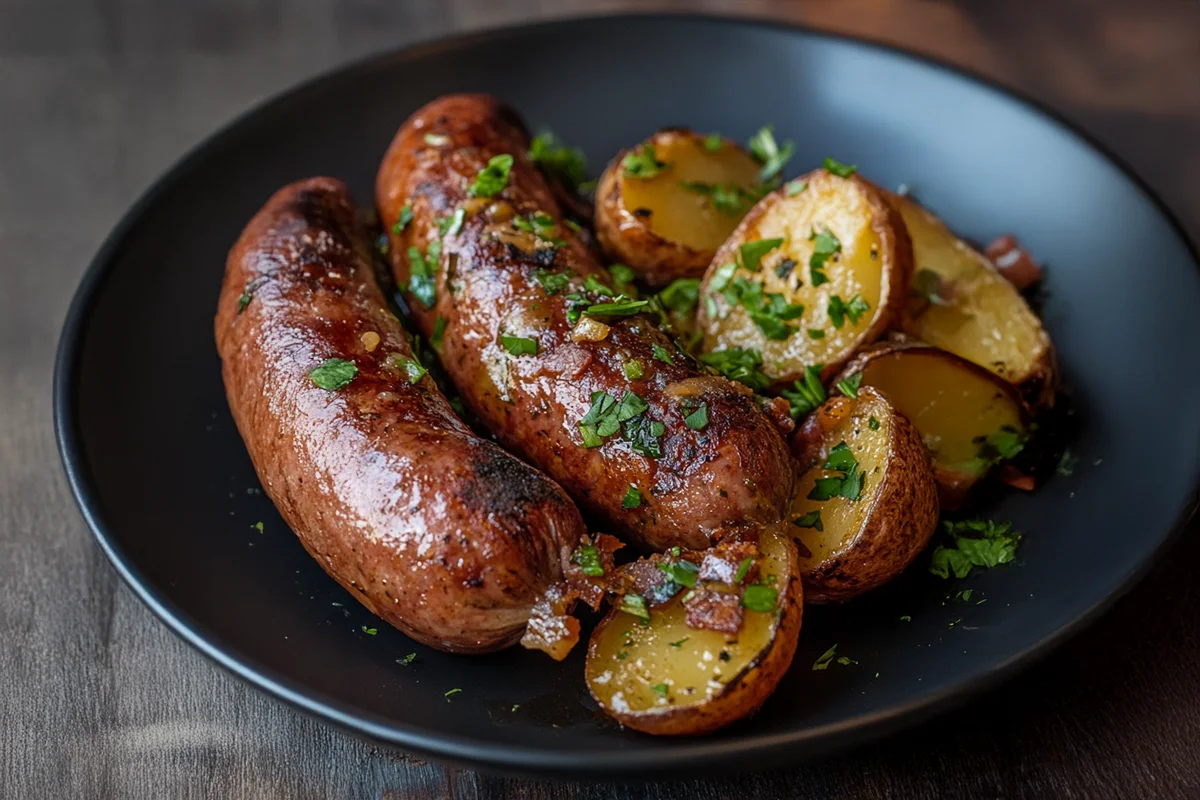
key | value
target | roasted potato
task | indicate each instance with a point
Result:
(816, 270)
(665, 206)
(960, 302)
(848, 546)
(661, 676)
(969, 418)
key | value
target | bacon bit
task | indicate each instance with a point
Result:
(721, 563)
(778, 411)
(370, 340)
(592, 589)
(551, 629)
(1014, 262)
(714, 611)
(1013, 477)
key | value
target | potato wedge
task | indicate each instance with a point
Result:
(835, 281)
(960, 302)
(663, 677)
(969, 418)
(849, 546)
(667, 223)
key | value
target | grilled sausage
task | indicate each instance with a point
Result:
(674, 454)
(442, 534)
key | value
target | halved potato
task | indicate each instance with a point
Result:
(835, 282)
(969, 418)
(960, 302)
(667, 223)
(664, 677)
(848, 546)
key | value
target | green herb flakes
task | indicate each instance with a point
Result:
(796, 187)
(408, 659)
(632, 498)
(681, 295)
(816, 333)
(519, 345)
(825, 246)
(436, 139)
(633, 370)
(333, 374)
(751, 253)
(557, 160)
(439, 329)
(713, 142)
(588, 558)
(662, 354)
(773, 157)
(406, 215)
(678, 644)
(760, 597)
(839, 310)
(973, 543)
(551, 282)
(660, 689)
(492, 179)
(849, 386)
(698, 419)
(642, 162)
(680, 571)
(806, 394)
(1066, 464)
(838, 168)
(810, 520)
(873, 424)
(421, 282)
(739, 364)
(847, 485)
(743, 570)
(635, 605)
(450, 694)
(369, 631)
(825, 659)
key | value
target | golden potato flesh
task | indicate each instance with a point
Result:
(664, 677)
(960, 302)
(968, 418)
(834, 282)
(665, 206)
(856, 540)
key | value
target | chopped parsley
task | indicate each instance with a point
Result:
(807, 393)
(519, 345)
(369, 631)
(643, 163)
(839, 310)
(439, 328)
(750, 254)
(406, 215)
(773, 157)
(552, 282)
(632, 498)
(816, 333)
(633, 369)
(838, 168)
(678, 644)
(796, 187)
(810, 520)
(557, 160)
(597, 286)
(409, 366)
(846, 661)
(847, 485)
(588, 559)
(450, 694)
(421, 282)
(743, 570)
(681, 295)
(643, 434)
(456, 222)
(660, 689)
(1066, 464)
(436, 139)
(607, 415)
(728, 198)
(619, 308)
(713, 142)
(928, 285)
(739, 364)
(663, 354)
(698, 419)
(622, 277)
(680, 571)
(760, 597)
(825, 659)
(1005, 443)
(635, 605)
(408, 659)
(770, 311)
(258, 526)
(973, 543)
(492, 179)
(333, 374)
(906, 618)
(825, 245)
(248, 294)
(849, 386)
(873, 424)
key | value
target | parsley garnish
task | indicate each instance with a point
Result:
(839, 310)
(643, 162)
(635, 605)
(519, 345)
(258, 526)
(411, 367)
(622, 279)
(1066, 464)
(557, 160)
(873, 424)
(248, 294)
(808, 393)
(816, 333)
(406, 215)
(739, 364)
(847, 485)
(451, 694)
(728, 198)
(660, 689)
(552, 282)
(421, 282)
(370, 631)
(436, 139)
(927, 284)
(838, 168)
(680, 571)
(626, 308)
(760, 597)
(408, 659)
(743, 570)
(633, 370)
(681, 295)
(606, 416)
(825, 245)
(698, 419)
(974, 543)
(713, 142)
(751, 253)
(810, 520)
(632, 498)
(588, 559)
(456, 222)
(333, 374)
(849, 386)
(764, 147)
(642, 434)
(439, 328)
(678, 644)
(1005, 443)
(796, 187)
(492, 179)
(663, 354)
(825, 659)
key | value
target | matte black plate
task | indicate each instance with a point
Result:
(165, 483)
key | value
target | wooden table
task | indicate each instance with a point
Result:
(97, 699)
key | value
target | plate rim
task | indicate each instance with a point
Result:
(706, 755)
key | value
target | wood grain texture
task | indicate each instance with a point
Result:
(98, 699)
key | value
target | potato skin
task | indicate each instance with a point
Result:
(903, 516)
(628, 239)
(734, 471)
(743, 695)
(898, 268)
(442, 534)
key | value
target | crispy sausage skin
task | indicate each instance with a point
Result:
(495, 278)
(442, 534)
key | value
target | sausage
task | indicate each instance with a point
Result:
(442, 534)
(506, 296)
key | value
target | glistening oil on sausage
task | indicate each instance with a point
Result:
(487, 252)
(442, 534)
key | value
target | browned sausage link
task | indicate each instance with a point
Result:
(444, 535)
(495, 278)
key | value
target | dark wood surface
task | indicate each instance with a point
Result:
(98, 699)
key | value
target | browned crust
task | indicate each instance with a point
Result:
(626, 238)
(895, 258)
(902, 519)
(442, 534)
(743, 695)
(734, 471)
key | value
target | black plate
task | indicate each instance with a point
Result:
(165, 483)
